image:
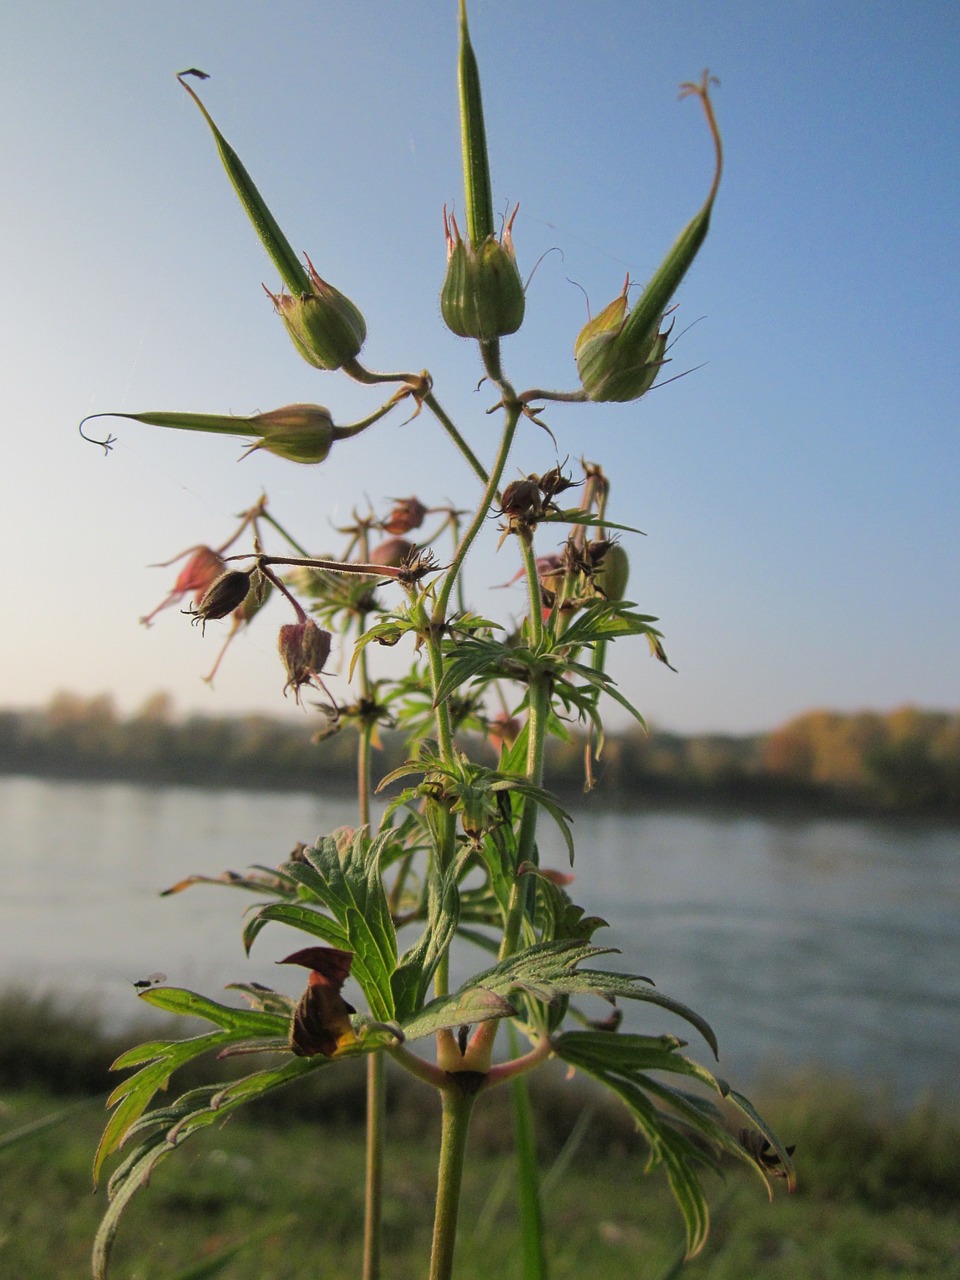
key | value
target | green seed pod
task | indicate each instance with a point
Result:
(610, 577)
(482, 295)
(620, 353)
(297, 432)
(613, 367)
(325, 326)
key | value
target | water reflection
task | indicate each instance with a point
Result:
(825, 941)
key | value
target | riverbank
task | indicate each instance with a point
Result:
(903, 764)
(278, 1195)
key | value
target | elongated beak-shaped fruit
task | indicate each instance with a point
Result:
(620, 352)
(327, 329)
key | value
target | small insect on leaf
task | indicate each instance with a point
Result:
(151, 980)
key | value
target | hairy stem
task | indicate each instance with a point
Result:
(476, 524)
(373, 1186)
(457, 1107)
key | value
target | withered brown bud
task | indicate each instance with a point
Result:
(597, 550)
(304, 648)
(224, 595)
(407, 514)
(504, 729)
(201, 570)
(553, 482)
(522, 498)
(393, 552)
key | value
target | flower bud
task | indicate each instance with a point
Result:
(482, 295)
(304, 648)
(227, 593)
(325, 326)
(297, 432)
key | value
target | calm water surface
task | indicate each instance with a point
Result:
(827, 942)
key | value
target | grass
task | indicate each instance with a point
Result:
(278, 1195)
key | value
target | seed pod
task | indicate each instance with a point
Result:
(619, 354)
(304, 649)
(482, 295)
(392, 552)
(227, 593)
(407, 514)
(612, 572)
(297, 432)
(326, 328)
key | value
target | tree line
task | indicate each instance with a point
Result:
(902, 761)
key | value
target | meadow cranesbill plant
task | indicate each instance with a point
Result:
(455, 853)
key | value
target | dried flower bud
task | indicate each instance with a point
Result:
(325, 326)
(321, 1023)
(504, 729)
(204, 567)
(554, 482)
(227, 593)
(304, 648)
(297, 432)
(392, 552)
(482, 295)
(407, 514)
(522, 498)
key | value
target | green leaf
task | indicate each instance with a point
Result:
(418, 964)
(132, 1097)
(606, 620)
(687, 1191)
(191, 1005)
(545, 971)
(472, 658)
(628, 987)
(307, 919)
(574, 515)
(471, 1004)
(162, 1130)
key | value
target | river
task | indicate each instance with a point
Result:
(805, 942)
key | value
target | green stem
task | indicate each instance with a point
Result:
(376, 1065)
(301, 551)
(457, 1106)
(373, 1199)
(441, 416)
(538, 710)
(476, 524)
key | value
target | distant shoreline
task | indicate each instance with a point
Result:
(903, 764)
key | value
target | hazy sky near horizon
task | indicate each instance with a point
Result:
(800, 492)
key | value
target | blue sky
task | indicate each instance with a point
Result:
(800, 492)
